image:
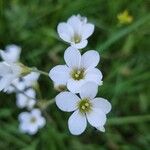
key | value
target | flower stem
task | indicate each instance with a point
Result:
(128, 120)
(40, 71)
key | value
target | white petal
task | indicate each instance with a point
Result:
(60, 74)
(24, 116)
(88, 90)
(94, 75)
(31, 93)
(90, 59)
(41, 122)
(36, 112)
(32, 129)
(67, 101)
(75, 85)
(102, 104)
(87, 30)
(77, 123)
(101, 128)
(96, 117)
(11, 54)
(80, 45)
(72, 57)
(21, 100)
(75, 23)
(65, 31)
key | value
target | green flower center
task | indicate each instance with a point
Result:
(33, 120)
(78, 74)
(76, 38)
(85, 106)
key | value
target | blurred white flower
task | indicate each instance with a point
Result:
(87, 108)
(76, 31)
(78, 71)
(30, 122)
(26, 99)
(23, 82)
(11, 54)
(8, 73)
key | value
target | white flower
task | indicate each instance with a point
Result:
(8, 73)
(76, 31)
(23, 82)
(87, 108)
(30, 122)
(11, 54)
(31, 79)
(28, 99)
(78, 71)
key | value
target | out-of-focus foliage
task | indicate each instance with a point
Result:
(125, 64)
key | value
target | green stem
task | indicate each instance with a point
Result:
(128, 120)
(40, 71)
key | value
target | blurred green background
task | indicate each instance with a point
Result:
(125, 63)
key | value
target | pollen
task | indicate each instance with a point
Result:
(85, 106)
(78, 74)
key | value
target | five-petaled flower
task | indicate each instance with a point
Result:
(78, 71)
(26, 99)
(86, 108)
(76, 31)
(30, 122)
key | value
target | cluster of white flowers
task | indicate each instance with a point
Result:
(23, 86)
(78, 81)
(80, 77)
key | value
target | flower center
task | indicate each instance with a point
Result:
(84, 105)
(76, 38)
(33, 120)
(78, 74)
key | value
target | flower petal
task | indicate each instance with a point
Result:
(67, 101)
(87, 30)
(60, 74)
(101, 128)
(90, 59)
(94, 75)
(88, 90)
(80, 45)
(77, 123)
(72, 57)
(102, 104)
(75, 85)
(96, 117)
(24, 116)
(75, 23)
(65, 31)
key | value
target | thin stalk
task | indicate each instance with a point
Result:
(40, 71)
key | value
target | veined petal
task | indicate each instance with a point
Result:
(60, 74)
(67, 101)
(87, 30)
(80, 45)
(77, 123)
(75, 85)
(94, 75)
(96, 117)
(88, 90)
(102, 104)
(65, 31)
(90, 59)
(72, 57)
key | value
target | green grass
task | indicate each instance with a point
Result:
(124, 62)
